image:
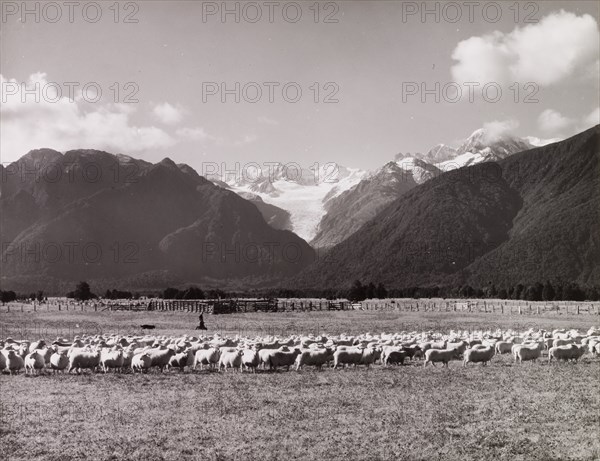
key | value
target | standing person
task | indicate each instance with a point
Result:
(201, 326)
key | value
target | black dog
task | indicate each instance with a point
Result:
(148, 327)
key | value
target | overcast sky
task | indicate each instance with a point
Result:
(368, 56)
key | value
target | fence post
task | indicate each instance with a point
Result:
(577, 309)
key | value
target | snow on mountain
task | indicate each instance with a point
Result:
(308, 193)
(420, 170)
(484, 146)
(300, 191)
(440, 153)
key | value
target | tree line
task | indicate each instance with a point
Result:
(358, 291)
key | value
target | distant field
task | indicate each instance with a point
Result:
(504, 411)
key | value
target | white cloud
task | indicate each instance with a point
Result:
(561, 45)
(497, 129)
(538, 142)
(553, 122)
(63, 123)
(168, 114)
(194, 134)
(592, 119)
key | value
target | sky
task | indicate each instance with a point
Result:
(350, 82)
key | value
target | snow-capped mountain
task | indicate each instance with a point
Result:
(491, 146)
(440, 153)
(303, 192)
(420, 170)
(346, 214)
(329, 202)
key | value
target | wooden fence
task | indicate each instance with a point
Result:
(241, 305)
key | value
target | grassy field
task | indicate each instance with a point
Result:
(504, 411)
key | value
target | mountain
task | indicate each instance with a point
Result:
(303, 193)
(530, 217)
(276, 217)
(96, 216)
(350, 210)
(347, 212)
(440, 153)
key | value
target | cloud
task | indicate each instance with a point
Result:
(553, 122)
(60, 122)
(168, 114)
(592, 119)
(267, 121)
(560, 46)
(497, 129)
(194, 134)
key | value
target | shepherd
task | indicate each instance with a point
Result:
(201, 325)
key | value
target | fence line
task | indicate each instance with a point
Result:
(241, 305)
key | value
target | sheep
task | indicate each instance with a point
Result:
(231, 359)
(413, 351)
(369, 356)
(314, 357)
(264, 355)
(525, 352)
(476, 355)
(59, 361)
(182, 360)
(394, 356)
(281, 358)
(46, 353)
(34, 362)
(567, 352)
(437, 355)
(127, 357)
(14, 362)
(141, 362)
(111, 359)
(347, 356)
(208, 357)
(160, 357)
(81, 359)
(250, 359)
(504, 347)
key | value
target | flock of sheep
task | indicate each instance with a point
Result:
(142, 353)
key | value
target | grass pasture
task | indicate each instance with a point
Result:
(500, 412)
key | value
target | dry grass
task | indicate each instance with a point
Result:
(503, 411)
